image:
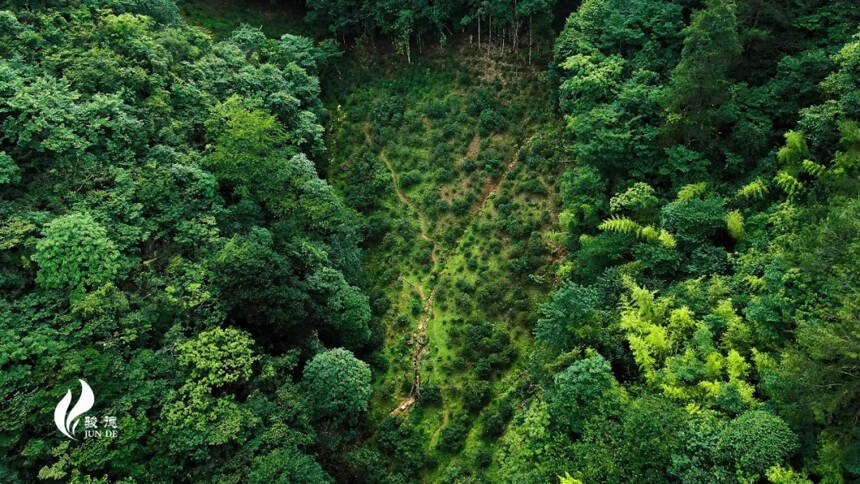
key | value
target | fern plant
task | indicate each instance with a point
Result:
(691, 191)
(813, 168)
(621, 225)
(848, 161)
(648, 233)
(626, 226)
(568, 479)
(735, 224)
(788, 183)
(755, 189)
(755, 284)
(795, 149)
(667, 239)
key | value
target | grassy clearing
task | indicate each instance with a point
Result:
(462, 149)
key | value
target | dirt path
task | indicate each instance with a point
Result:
(395, 178)
(420, 338)
(445, 414)
(482, 203)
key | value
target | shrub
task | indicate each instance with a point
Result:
(410, 178)
(388, 112)
(450, 130)
(532, 186)
(493, 425)
(437, 110)
(453, 437)
(579, 392)
(431, 395)
(492, 122)
(476, 394)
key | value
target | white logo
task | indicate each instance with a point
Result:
(67, 421)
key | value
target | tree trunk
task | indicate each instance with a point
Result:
(516, 34)
(516, 28)
(530, 40)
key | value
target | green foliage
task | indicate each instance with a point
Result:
(215, 358)
(75, 254)
(695, 221)
(735, 224)
(165, 233)
(246, 147)
(582, 190)
(691, 191)
(346, 308)
(622, 225)
(338, 385)
(755, 189)
(453, 436)
(730, 330)
(287, 465)
(638, 199)
(567, 479)
(491, 122)
(700, 81)
(569, 317)
(399, 439)
(160, 221)
(755, 441)
(218, 357)
(806, 380)
(582, 391)
(788, 183)
(794, 150)
(405, 24)
(526, 448)
(781, 475)
(9, 171)
(677, 353)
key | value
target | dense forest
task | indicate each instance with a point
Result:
(528, 241)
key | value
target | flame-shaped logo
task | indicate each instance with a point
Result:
(67, 421)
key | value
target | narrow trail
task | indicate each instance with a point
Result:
(420, 337)
(445, 414)
(395, 178)
(476, 213)
(478, 208)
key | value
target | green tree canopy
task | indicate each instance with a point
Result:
(75, 254)
(338, 385)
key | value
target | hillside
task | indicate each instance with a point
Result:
(458, 242)
(456, 169)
